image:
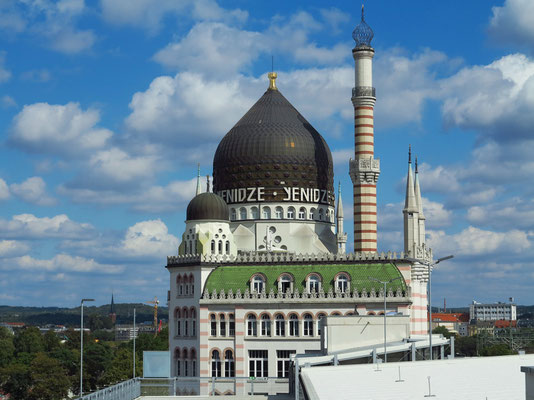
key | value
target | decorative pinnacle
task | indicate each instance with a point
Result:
(207, 183)
(272, 80)
(362, 14)
(198, 180)
(409, 154)
(363, 34)
(416, 165)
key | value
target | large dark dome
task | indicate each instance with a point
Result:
(273, 146)
(207, 206)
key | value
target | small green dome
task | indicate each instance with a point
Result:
(207, 206)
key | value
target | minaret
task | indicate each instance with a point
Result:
(341, 237)
(199, 190)
(364, 169)
(419, 201)
(411, 213)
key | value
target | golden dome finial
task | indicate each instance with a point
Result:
(272, 80)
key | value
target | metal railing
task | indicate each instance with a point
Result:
(127, 390)
(363, 91)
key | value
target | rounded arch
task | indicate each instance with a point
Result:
(222, 316)
(307, 315)
(279, 313)
(213, 316)
(193, 312)
(260, 274)
(177, 313)
(185, 354)
(292, 315)
(340, 273)
(349, 313)
(371, 313)
(380, 313)
(177, 352)
(193, 353)
(320, 314)
(286, 274)
(266, 212)
(336, 313)
(251, 313)
(230, 350)
(265, 313)
(316, 274)
(215, 349)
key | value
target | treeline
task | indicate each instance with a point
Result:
(47, 367)
(71, 316)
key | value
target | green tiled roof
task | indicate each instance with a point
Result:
(238, 276)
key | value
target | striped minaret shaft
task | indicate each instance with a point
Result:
(364, 169)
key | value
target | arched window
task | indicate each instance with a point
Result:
(193, 322)
(266, 211)
(371, 313)
(227, 247)
(192, 283)
(178, 360)
(252, 325)
(233, 214)
(312, 214)
(293, 325)
(321, 216)
(320, 316)
(220, 247)
(179, 285)
(231, 325)
(186, 285)
(257, 283)
(291, 213)
(265, 325)
(302, 213)
(222, 325)
(213, 325)
(279, 213)
(242, 213)
(308, 325)
(285, 283)
(178, 320)
(213, 247)
(280, 325)
(255, 213)
(314, 283)
(215, 363)
(193, 362)
(185, 317)
(229, 364)
(185, 247)
(342, 283)
(186, 362)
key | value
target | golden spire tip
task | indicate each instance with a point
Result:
(272, 80)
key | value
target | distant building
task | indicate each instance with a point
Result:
(492, 311)
(126, 332)
(454, 322)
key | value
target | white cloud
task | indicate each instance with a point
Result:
(28, 226)
(4, 73)
(513, 22)
(149, 14)
(58, 129)
(4, 190)
(12, 248)
(149, 238)
(334, 17)
(511, 213)
(60, 262)
(33, 190)
(390, 216)
(473, 241)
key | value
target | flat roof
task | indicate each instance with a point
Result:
(460, 378)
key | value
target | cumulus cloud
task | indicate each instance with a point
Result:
(28, 226)
(58, 129)
(149, 238)
(33, 190)
(60, 262)
(12, 248)
(149, 15)
(512, 213)
(390, 216)
(513, 23)
(474, 241)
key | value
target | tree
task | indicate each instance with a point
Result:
(28, 340)
(49, 379)
(496, 350)
(15, 380)
(443, 331)
(122, 366)
(51, 341)
(466, 346)
(97, 359)
(7, 349)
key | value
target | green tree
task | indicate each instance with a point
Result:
(28, 340)
(122, 366)
(443, 331)
(7, 349)
(15, 379)
(49, 379)
(97, 359)
(496, 350)
(466, 346)
(51, 341)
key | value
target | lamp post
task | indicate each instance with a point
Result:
(385, 311)
(430, 266)
(81, 346)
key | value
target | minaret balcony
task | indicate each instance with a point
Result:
(364, 91)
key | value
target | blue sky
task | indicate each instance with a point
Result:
(107, 106)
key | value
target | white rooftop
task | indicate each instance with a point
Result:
(480, 378)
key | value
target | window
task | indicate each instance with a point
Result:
(185, 247)
(222, 325)
(308, 325)
(229, 364)
(213, 246)
(266, 212)
(192, 283)
(252, 325)
(293, 325)
(283, 359)
(321, 214)
(279, 213)
(242, 213)
(342, 283)
(280, 325)
(255, 213)
(312, 214)
(215, 364)
(186, 322)
(220, 247)
(186, 362)
(227, 247)
(257, 283)
(231, 325)
(291, 213)
(314, 283)
(193, 322)
(265, 325)
(233, 214)
(193, 362)
(213, 325)
(178, 319)
(320, 316)
(178, 362)
(258, 363)
(284, 283)
(302, 213)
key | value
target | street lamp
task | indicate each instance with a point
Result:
(81, 346)
(430, 266)
(385, 311)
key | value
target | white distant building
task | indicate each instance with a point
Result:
(492, 311)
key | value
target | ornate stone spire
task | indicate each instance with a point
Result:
(418, 198)
(198, 180)
(410, 204)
